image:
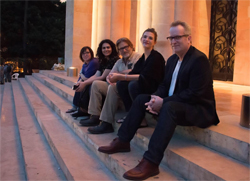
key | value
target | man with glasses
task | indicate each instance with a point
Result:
(101, 88)
(185, 98)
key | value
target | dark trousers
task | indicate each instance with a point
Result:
(128, 91)
(84, 98)
(76, 99)
(171, 115)
(7, 77)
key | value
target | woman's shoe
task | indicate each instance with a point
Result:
(79, 113)
(71, 110)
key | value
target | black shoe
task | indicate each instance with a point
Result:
(71, 110)
(79, 114)
(93, 121)
(104, 127)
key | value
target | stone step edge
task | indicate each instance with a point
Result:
(68, 82)
(230, 146)
(16, 162)
(210, 137)
(57, 155)
(24, 128)
(142, 139)
(87, 140)
(84, 135)
(52, 146)
(55, 86)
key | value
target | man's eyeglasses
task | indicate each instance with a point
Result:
(123, 48)
(170, 38)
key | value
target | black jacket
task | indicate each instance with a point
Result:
(194, 86)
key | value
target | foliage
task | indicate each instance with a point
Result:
(45, 34)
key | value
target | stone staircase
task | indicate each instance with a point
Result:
(39, 141)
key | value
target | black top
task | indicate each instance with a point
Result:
(151, 72)
(107, 64)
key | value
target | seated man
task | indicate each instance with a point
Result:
(185, 97)
(101, 88)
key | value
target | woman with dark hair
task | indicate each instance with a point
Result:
(89, 68)
(107, 55)
(146, 75)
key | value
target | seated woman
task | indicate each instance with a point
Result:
(146, 75)
(89, 68)
(107, 55)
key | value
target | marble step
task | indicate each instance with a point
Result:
(39, 160)
(117, 164)
(60, 76)
(57, 87)
(1, 96)
(194, 161)
(181, 161)
(75, 160)
(12, 165)
(227, 137)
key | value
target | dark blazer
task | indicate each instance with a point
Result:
(194, 87)
(151, 72)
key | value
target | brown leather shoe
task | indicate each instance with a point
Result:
(115, 146)
(142, 171)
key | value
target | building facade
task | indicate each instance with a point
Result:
(90, 21)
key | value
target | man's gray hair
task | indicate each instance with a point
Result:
(183, 24)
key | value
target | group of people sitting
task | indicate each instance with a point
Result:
(103, 82)
(180, 93)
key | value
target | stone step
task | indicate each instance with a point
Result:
(116, 164)
(194, 161)
(60, 76)
(75, 160)
(12, 165)
(181, 161)
(227, 137)
(39, 159)
(57, 87)
(1, 96)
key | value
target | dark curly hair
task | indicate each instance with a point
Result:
(83, 50)
(114, 53)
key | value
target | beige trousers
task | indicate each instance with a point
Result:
(98, 90)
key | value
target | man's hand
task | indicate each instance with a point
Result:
(155, 104)
(107, 79)
(114, 77)
(80, 87)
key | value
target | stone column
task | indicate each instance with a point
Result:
(201, 25)
(144, 21)
(184, 11)
(117, 20)
(242, 55)
(133, 21)
(162, 17)
(103, 20)
(94, 43)
(78, 30)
